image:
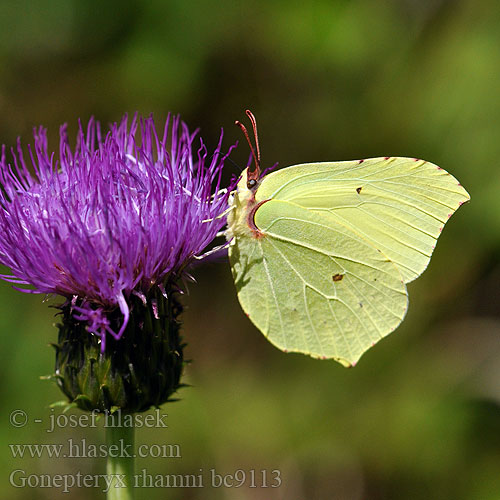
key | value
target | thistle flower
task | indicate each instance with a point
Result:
(112, 226)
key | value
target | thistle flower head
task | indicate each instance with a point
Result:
(115, 216)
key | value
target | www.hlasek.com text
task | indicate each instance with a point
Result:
(81, 448)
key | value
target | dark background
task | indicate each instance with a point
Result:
(419, 417)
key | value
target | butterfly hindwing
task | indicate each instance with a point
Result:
(400, 205)
(313, 285)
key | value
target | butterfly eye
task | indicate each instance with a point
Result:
(251, 183)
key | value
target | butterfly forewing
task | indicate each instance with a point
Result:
(312, 285)
(400, 205)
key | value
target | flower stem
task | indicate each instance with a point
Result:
(120, 464)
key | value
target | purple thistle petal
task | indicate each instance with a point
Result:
(116, 215)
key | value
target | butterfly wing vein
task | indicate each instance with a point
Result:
(287, 287)
(397, 204)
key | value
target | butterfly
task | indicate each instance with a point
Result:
(321, 253)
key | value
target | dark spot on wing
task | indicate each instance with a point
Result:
(337, 277)
(358, 190)
(361, 161)
(361, 304)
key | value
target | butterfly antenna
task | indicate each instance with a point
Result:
(255, 134)
(256, 157)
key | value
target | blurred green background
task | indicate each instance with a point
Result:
(419, 417)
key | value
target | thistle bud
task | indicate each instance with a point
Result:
(140, 370)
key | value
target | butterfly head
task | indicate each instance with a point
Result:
(242, 201)
(248, 183)
(251, 176)
(246, 189)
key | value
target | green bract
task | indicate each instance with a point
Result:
(140, 370)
